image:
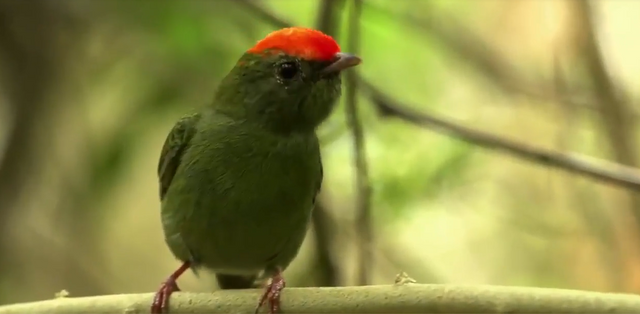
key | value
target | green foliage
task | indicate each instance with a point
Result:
(167, 56)
(184, 48)
(410, 167)
(300, 13)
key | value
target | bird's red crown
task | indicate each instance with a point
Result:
(304, 43)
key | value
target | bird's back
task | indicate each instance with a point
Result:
(242, 197)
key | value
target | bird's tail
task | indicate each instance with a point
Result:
(236, 282)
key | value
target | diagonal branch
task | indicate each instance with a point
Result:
(612, 173)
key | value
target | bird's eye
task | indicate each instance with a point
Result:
(288, 70)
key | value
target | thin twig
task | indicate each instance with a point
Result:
(323, 224)
(363, 200)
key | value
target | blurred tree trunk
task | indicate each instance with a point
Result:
(38, 40)
(27, 58)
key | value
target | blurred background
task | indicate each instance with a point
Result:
(90, 89)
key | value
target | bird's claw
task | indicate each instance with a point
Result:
(161, 299)
(272, 294)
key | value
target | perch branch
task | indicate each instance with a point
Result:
(409, 298)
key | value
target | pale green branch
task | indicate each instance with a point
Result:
(410, 298)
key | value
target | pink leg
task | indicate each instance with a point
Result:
(272, 293)
(161, 300)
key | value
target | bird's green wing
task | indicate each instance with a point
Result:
(173, 149)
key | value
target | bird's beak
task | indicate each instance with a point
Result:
(341, 62)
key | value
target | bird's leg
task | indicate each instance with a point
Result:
(161, 299)
(272, 293)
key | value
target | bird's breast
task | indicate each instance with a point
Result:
(244, 198)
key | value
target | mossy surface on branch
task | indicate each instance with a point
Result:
(411, 298)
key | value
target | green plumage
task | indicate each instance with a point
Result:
(238, 179)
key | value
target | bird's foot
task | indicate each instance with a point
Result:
(161, 299)
(272, 293)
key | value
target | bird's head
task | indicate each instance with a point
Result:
(289, 81)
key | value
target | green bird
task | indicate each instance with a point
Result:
(239, 178)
